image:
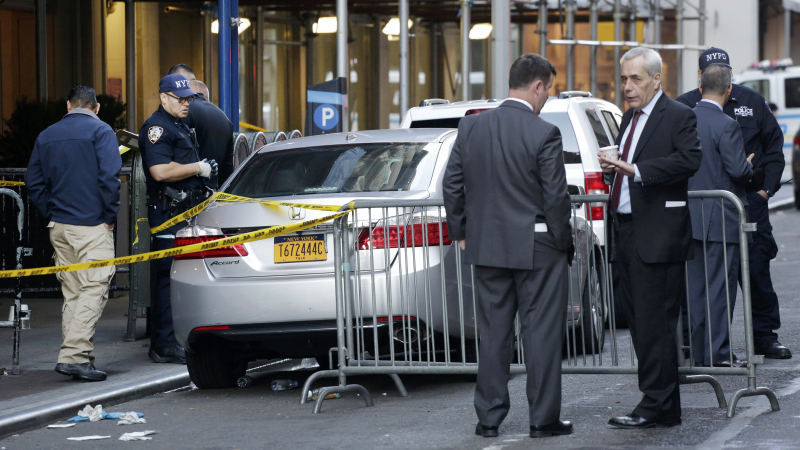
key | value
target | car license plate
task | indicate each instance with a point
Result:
(309, 247)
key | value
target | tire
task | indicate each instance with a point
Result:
(593, 314)
(212, 367)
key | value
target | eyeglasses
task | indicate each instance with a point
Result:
(181, 100)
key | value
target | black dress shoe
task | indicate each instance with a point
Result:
(85, 371)
(175, 355)
(557, 428)
(484, 431)
(772, 349)
(631, 421)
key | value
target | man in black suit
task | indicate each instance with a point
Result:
(505, 192)
(712, 294)
(651, 232)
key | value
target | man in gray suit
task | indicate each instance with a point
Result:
(505, 192)
(723, 167)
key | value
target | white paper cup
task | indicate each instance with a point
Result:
(611, 152)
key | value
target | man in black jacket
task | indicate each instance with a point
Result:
(72, 179)
(651, 233)
(505, 192)
(763, 137)
(214, 130)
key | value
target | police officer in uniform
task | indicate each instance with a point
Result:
(175, 178)
(763, 137)
(214, 129)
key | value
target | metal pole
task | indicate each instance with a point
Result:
(466, 52)
(701, 32)
(617, 37)
(542, 28)
(259, 63)
(570, 7)
(593, 50)
(208, 51)
(501, 19)
(404, 82)
(679, 19)
(234, 63)
(224, 41)
(633, 33)
(657, 22)
(341, 54)
(41, 49)
(787, 32)
(130, 63)
(309, 53)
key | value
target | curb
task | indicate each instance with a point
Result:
(787, 203)
(36, 417)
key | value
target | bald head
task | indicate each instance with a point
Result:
(200, 87)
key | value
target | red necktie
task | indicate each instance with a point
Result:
(617, 190)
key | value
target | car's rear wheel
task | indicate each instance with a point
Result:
(213, 367)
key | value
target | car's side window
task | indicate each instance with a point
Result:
(762, 86)
(611, 122)
(791, 91)
(597, 126)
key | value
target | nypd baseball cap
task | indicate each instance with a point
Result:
(714, 56)
(177, 84)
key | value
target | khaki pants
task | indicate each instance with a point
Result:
(85, 291)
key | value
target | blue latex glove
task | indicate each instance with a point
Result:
(213, 164)
(114, 415)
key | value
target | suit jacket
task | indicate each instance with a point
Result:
(214, 136)
(667, 154)
(505, 174)
(724, 167)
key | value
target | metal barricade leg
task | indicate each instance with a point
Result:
(694, 379)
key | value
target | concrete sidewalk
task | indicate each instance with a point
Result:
(39, 394)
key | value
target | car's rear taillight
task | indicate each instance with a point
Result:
(796, 143)
(595, 185)
(475, 111)
(404, 236)
(198, 235)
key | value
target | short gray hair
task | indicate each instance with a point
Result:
(652, 60)
(715, 80)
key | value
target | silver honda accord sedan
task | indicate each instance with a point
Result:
(276, 297)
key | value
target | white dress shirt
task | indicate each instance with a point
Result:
(521, 101)
(713, 103)
(625, 195)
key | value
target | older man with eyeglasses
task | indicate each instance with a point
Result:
(176, 181)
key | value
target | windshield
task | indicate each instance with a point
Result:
(340, 168)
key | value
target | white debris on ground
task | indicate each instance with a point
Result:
(94, 414)
(61, 425)
(88, 438)
(130, 418)
(137, 436)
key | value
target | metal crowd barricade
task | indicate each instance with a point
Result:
(405, 303)
(15, 321)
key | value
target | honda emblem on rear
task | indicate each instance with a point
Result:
(297, 213)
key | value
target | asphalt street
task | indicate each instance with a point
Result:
(438, 412)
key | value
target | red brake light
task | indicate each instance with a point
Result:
(797, 142)
(403, 236)
(475, 111)
(213, 328)
(595, 185)
(223, 252)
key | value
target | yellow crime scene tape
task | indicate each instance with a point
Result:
(225, 242)
(11, 183)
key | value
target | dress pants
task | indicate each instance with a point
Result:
(766, 314)
(162, 332)
(539, 296)
(85, 291)
(714, 300)
(652, 295)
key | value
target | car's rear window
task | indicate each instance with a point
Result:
(376, 167)
(572, 153)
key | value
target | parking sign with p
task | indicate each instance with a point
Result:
(325, 104)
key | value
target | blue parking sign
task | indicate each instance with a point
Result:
(326, 116)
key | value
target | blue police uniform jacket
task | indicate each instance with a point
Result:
(163, 139)
(760, 132)
(72, 175)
